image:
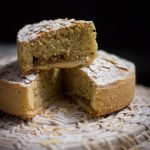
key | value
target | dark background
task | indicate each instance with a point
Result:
(123, 28)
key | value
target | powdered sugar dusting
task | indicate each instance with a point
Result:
(11, 73)
(31, 31)
(108, 68)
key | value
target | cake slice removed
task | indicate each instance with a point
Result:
(27, 96)
(105, 86)
(61, 43)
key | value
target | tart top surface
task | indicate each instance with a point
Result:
(108, 68)
(11, 73)
(32, 31)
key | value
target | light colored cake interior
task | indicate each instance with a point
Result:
(77, 84)
(72, 43)
(46, 88)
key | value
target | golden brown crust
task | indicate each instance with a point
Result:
(27, 115)
(110, 98)
(115, 96)
(14, 98)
